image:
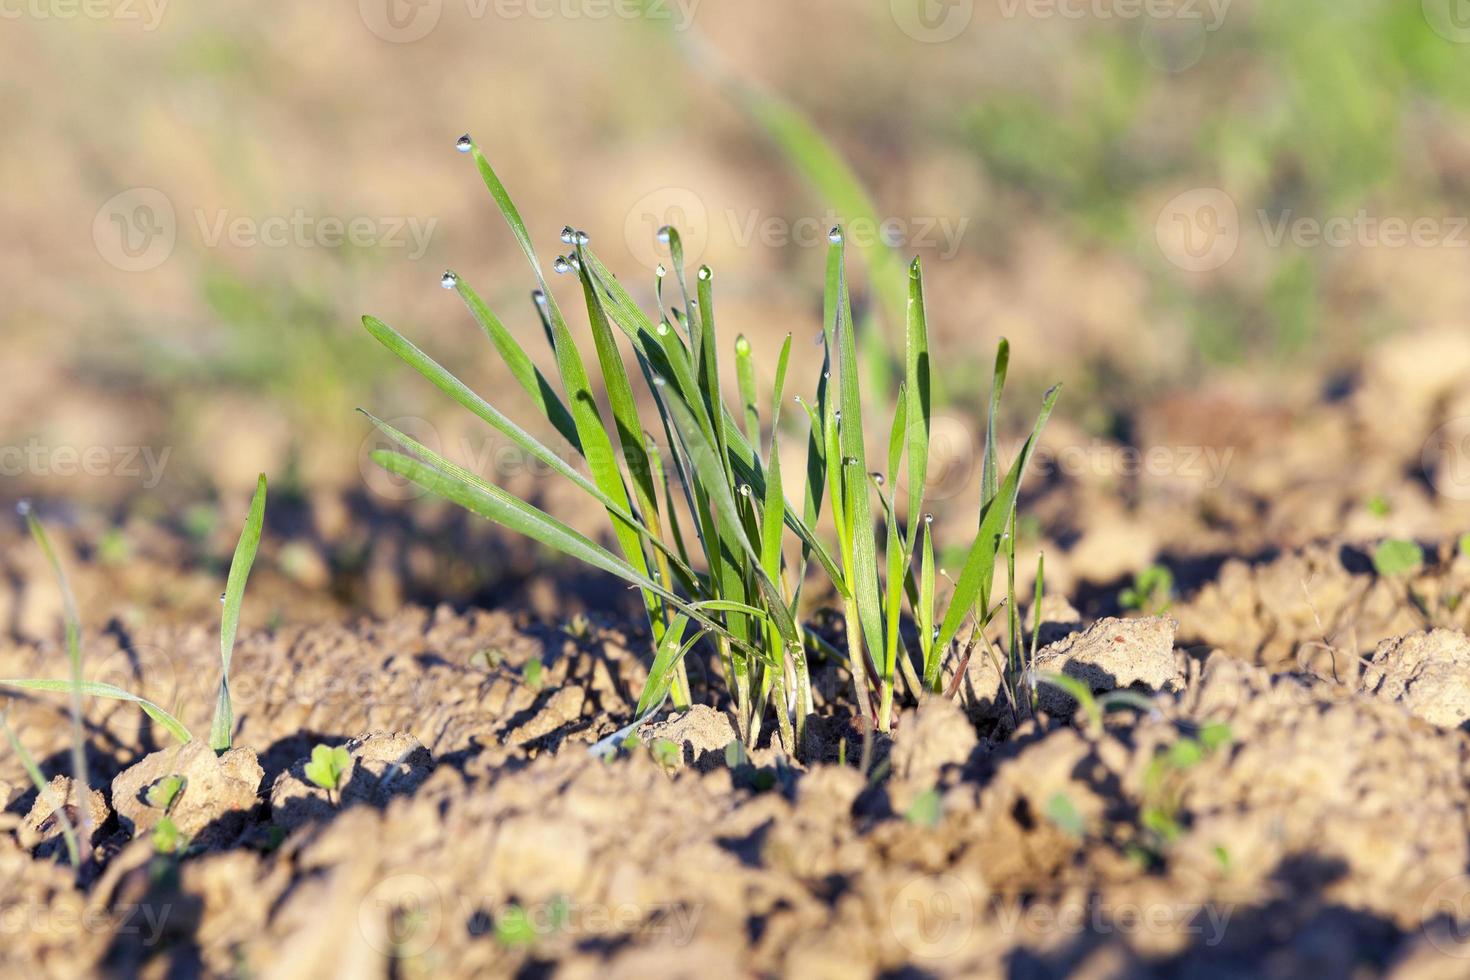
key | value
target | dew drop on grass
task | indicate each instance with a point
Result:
(664, 234)
(745, 489)
(561, 266)
(742, 345)
(539, 298)
(464, 144)
(222, 598)
(850, 461)
(835, 235)
(23, 508)
(877, 478)
(576, 262)
(568, 235)
(582, 238)
(449, 280)
(928, 518)
(826, 375)
(660, 271)
(705, 273)
(663, 328)
(837, 415)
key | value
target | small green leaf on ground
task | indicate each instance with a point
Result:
(926, 809)
(327, 766)
(1061, 811)
(1396, 556)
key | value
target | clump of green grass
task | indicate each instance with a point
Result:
(697, 503)
(79, 838)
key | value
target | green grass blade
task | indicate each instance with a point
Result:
(97, 689)
(857, 505)
(990, 470)
(221, 730)
(973, 587)
(745, 376)
(918, 393)
(521, 367)
(73, 625)
(43, 789)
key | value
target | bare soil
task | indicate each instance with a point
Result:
(1326, 834)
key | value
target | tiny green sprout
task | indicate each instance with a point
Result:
(1222, 857)
(166, 837)
(735, 755)
(1152, 591)
(926, 809)
(328, 766)
(1465, 545)
(666, 752)
(163, 794)
(1062, 812)
(1396, 557)
(487, 658)
(1379, 505)
(513, 928)
(532, 674)
(579, 627)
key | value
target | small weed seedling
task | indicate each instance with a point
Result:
(1152, 591)
(164, 795)
(697, 503)
(1094, 706)
(43, 788)
(1160, 810)
(328, 766)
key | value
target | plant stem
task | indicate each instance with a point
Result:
(857, 659)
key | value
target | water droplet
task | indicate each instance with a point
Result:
(561, 266)
(663, 328)
(837, 415)
(742, 345)
(659, 380)
(660, 271)
(464, 144)
(706, 273)
(877, 478)
(576, 262)
(582, 238)
(835, 235)
(568, 235)
(928, 518)
(664, 234)
(797, 398)
(449, 280)
(221, 597)
(23, 508)
(936, 633)
(914, 267)
(539, 298)
(850, 461)
(745, 489)
(826, 375)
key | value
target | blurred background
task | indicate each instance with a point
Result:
(1235, 201)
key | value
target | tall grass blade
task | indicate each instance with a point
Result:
(43, 790)
(222, 729)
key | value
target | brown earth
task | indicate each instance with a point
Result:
(1295, 803)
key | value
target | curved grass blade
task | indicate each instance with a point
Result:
(73, 624)
(918, 395)
(221, 730)
(97, 689)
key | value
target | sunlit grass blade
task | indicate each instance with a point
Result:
(97, 689)
(43, 789)
(222, 729)
(745, 377)
(918, 395)
(73, 625)
(973, 587)
(530, 378)
(990, 468)
(862, 572)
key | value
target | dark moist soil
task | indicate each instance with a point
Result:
(1295, 804)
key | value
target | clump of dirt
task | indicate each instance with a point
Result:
(382, 765)
(1429, 673)
(210, 805)
(702, 734)
(42, 830)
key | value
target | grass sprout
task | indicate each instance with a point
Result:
(79, 687)
(43, 788)
(697, 503)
